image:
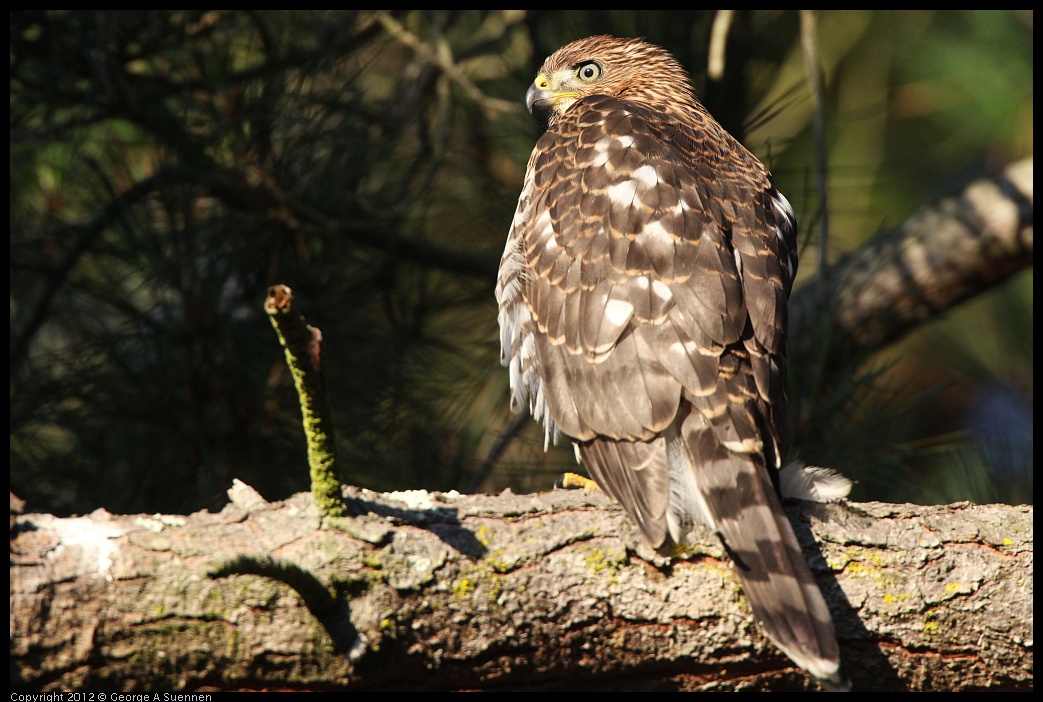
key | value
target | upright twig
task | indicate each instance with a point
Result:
(303, 345)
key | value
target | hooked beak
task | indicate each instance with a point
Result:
(538, 94)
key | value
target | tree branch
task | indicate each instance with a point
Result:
(944, 254)
(302, 346)
(442, 58)
(554, 591)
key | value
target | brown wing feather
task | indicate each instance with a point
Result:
(643, 265)
(635, 474)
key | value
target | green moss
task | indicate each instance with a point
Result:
(496, 561)
(463, 587)
(873, 567)
(479, 577)
(930, 625)
(300, 343)
(482, 534)
(599, 561)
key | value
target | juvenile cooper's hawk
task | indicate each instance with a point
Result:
(642, 308)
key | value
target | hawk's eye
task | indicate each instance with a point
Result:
(588, 72)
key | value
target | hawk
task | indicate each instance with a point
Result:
(642, 308)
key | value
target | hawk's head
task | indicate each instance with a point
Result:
(604, 65)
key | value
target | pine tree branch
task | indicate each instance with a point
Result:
(554, 591)
(946, 253)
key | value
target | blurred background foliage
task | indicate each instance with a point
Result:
(168, 166)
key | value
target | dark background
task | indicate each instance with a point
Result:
(167, 167)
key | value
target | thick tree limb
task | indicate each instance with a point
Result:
(946, 253)
(552, 591)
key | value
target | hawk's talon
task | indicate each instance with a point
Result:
(574, 481)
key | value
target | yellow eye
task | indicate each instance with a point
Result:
(588, 72)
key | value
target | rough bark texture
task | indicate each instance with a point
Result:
(552, 591)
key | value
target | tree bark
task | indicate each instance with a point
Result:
(552, 591)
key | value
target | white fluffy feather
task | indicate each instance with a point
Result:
(812, 483)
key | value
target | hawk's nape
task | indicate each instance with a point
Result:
(642, 305)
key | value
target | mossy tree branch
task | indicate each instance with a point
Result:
(303, 347)
(554, 591)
